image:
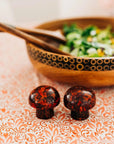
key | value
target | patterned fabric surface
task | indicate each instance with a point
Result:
(18, 122)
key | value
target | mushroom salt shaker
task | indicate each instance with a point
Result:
(44, 99)
(79, 100)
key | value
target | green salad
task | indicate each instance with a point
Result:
(89, 42)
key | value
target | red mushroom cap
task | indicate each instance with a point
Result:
(79, 98)
(44, 97)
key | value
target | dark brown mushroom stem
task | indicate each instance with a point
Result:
(79, 115)
(45, 113)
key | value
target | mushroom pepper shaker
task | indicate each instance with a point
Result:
(44, 99)
(79, 100)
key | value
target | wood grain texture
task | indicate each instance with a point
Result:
(56, 35)
(46, 46)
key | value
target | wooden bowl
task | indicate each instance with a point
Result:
(91, 72)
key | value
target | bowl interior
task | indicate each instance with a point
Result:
(101, 22)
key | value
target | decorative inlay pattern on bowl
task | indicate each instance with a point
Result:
(78, 64)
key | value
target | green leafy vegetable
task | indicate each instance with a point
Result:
(88, 42)
(88, 31)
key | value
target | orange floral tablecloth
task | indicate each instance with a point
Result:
(18, 123)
